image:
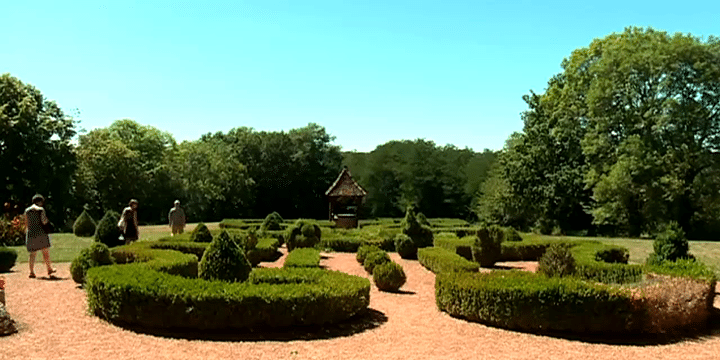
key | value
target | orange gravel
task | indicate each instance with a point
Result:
(54, 324)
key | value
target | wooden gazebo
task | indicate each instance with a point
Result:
(345, 196)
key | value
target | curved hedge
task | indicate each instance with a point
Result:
(146, 293)
(303, 257)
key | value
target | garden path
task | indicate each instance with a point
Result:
(54, 324)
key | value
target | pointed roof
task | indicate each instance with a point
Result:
(344, 185)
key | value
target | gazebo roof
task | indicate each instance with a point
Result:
(345, 186)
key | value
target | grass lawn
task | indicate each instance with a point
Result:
(66, 247)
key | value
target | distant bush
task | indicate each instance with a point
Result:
(462, 247)
(374, 259)
(512, 235)
(201, 233)
(614, 254)
(341, 244)
(303, 234)
(8, 257)
(670, 244)
(487, 248)
(422, 235)
(224, 260)
(405, 247)
(363, 252)
(107, 231)
(557, 261)
(303, 257)
(421, 219)
(97, 254)
(440, 260)
(389, 276)
(272, 222)
(84, 225)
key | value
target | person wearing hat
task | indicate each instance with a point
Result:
(37, 237)
(176, 217)
(129, 222)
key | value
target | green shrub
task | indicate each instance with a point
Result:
(487, 248)
(557, 261)
(84, 225)
(224, 260)
(107, 231)
(422, 220)
(168, 261)
(272, 222)
(614, 254)
(374, 259)
(462, 247)
(422, 235)
(608, 273)
(363, 252)
(686, 268)
(303, 234)
(8, 257)
(389, 276)
(512, 235)
(669, 245)
(304, 257)
(524, 250)
(265, 250)
(341, 244)
(201, 233)
(187, 247)
(385, 243)
(405, 247)
(440, 260)
(98, 254)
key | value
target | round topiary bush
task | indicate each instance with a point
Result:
(487, 247)
(669, 245)
(224, 260)
(8, 257)
(84, 225)
(374, 259)
(272, 222)
(389, 276)
(422, 235)
(557, 261)
(201, 233)
(107, 231)
(405, 247)
(97, 254)
(512, 235)
(303, 234)
(363, 252)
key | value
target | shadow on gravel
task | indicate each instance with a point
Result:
(367, 320)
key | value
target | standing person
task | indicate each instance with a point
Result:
(176, 217)
(36, 236)
(129, 222)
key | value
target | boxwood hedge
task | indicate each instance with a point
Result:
(440, 260)
(148, 294)
(303, 257)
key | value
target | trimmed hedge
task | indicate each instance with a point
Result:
(303, 234)
(363, 252)
(461, 247)
(168, 261)
(389, 276)
(8, 257)
(272, 222)
(265, 250)
(98, 254)
(305, 257)
(341, 244)
(440, 260)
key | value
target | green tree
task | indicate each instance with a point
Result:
(36, 155)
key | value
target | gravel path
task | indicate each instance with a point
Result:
(54, 325)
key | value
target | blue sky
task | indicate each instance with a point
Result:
(369, 71)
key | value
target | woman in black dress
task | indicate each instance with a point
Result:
(36, 237)
(129, 222)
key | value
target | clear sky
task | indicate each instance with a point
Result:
(369, 71)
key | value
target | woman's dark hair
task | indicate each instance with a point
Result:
(38, 198)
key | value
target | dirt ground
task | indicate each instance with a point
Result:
(54, 324)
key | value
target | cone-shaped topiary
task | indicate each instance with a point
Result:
(303, 234)
(201, 233)
(389, 276)
(422, 235)
(84, 225)
(557, 261)
(107, 231)
(272, 222)
(224, 260)
(97, 254)
(670, 245)
(405, 247)
(363, 252)
(374, 259)
(488, 245)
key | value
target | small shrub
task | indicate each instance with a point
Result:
(201, 233)
(84, 225)
(405, 247)
(107, 231)
(272, 222)
(487, 248)
(613, 255)
(97, 254)
(669, 245)
(303, 234)
(363, 252)
(8, 257)
(422, 235)
(374, 259)
(12, 232)
(224, 260)
(512, 235)
(304, 257)
(389, 276)
(557, 261)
